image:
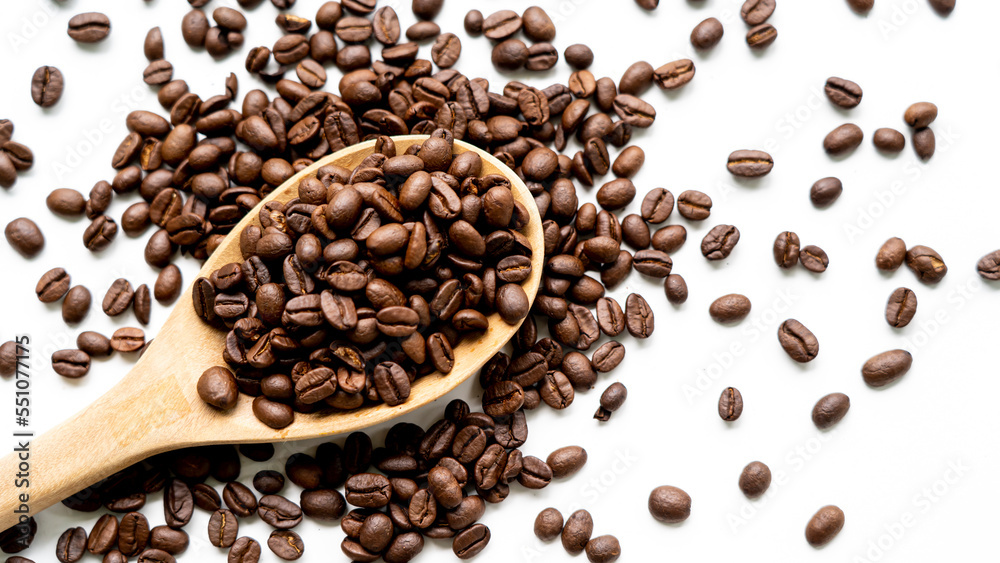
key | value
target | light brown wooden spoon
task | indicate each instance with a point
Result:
(156, 407)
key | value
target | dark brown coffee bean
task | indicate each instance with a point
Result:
(989, 266)
(217, 387)
(926, 263)
(669, 239)
(24, 236)
(322, 504)
(843, 139)
(501, 25)
(118, 299)
(638, 316)
(128, 339)
(133, 534)
(891, 255)
(676, 289)
(169, 540)
(76, 305)
(71, 363)
(566, 461)
(920, 114)
(52, 286)
(608, 356)
(72, 545)
(731, 308)
(719, 243)
(66, 202)
(279, 512)
(634, 111)
(786, 249)
(168, 284)
(94, 344)
(611, 400)
(610, 317)
(889, 140)
(548, 524)
(658, 205)
(223, 528)
(141, 304)
(707, 34)
(730, 404)
(158, 73)
(825, 191)
(471, 541)
(90, 27)
(924, 143)
(756, 12)
(369, 490)
(761, 36)
(830, 410)
(577, 531)
(798, 341)
(755, 479)
(652, 263)
(694, 205)
(286, 544)
(178, 504)
(100, 233)
(843, 93)
(886, 368)
(46, 86)
(750, 163)
(901, 307)
(446, 50)
(824, 526)
(579, 56)
(814, 259)
(244, 550)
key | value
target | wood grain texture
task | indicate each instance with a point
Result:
(156, 408)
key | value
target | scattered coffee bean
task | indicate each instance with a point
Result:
(729, 309)
(71, 363)
(579, 56)
(66, 202)
(886, 368)
(76, 305)
(730, 404)
(814, 259)
(926, 263)
(861, 6)
(891, 255)
(286, 544)
(826, 191)
(676, 289)
(603, 549)
(798, 341)
(24, 236)
(669, 504)
(761, 36)
(638, 316)
(755, 479)
(128, 339)
(168, 284)
(719, 243)
(830, 410)
(943, 7)
(72, 545)
(46, 86)
(989, 266)
(786, 250)
(566, 461)
(756, 12)
(843, 93)
(118, 299)
(577, 531)
(843, 139)
(94, 344)
(750, 163)
(920, 114)
(8, 358)
(694, 205)
(141, 304)
(901, 307)
(924, 143)
(548, 524)
(52, 286)
(90, 27)
(217, 387)
(707, 34)
(611, 400)
(824, 526)
(673, 75)
(889, 140)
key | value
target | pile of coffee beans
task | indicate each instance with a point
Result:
(14, 157)
(366, 281)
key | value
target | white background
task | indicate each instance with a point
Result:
(891, 464)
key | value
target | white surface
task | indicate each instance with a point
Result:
(891, 464)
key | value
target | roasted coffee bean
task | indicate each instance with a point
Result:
(824, 526)
(943, 7)
(446, 50)
(240, 499)
(603, 549)
(24, 236)
(158, 73)
(889, 140)
(750, 163)
(168, 540)
(71, 545)
(886, 368)
(786, 249)
(633, 110)
(94, 344)
(669, 239)
(861, 6)
(719, 243)
(66, 202)
(46, 86)
(901, 307)
(926, 263)
(168, 284)
(52, 286)
(566, 461)
(652, 263)
(279, 512)
(369, 490)
(891, 255)
(471, 541)
(8, 358)
(473, 22)
(141, 304)
(825, 191)
(694, 205)
(989, 266)
(669, 504)
(843, 139)
(756, 12)
(118, 299)
(611, 400)
(548, 524)
(71, 363)
(217, 387)
(178, 504)
(755, 479)
(608, 356)
(100, 233)
(830, 410)
(535, 473)
(843, 93)
(104, 535)
(244, 550)
(286, 544)
(90, 27)
(707, 34)
(659, 204)
(814, 259)
(924, 143)
(501, 25)
(731, 308)
(133, 534)
(577, 531)
(638, 316)
(223, 528)
(730, 404)
(761, 36)
(322, 504)
(920, 114)
(798, 341)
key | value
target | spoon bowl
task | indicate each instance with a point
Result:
(156, 407)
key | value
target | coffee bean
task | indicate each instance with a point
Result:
(669, 239)
(889, 140)
(158, 73)
(891, 255)
(104, 535)
(886, 368)
(652, 263)
(648, 4)
(901, 307)
(673, 75)
(719, 243)
(286, 544)
(943, 7)
(676, 289)
(926, 263)
(798, 341)
(603, 549)
(730, 404)
(924, 143)
(128, 339)
(244, 550)
(659, 204)
(501, 25)
(94, 344)
(786, 249)
(279, 512)
(71, 363)
(843, 93)
(66, 202)
(611, 400)
(152, 47)
(634, 111)
(240, 499)
(669, 504)
(861, 6)
(71, 545)
(46, 86)
(825, 191)
(761, 36)
(168, 540)
(707, 34)
(729, 309)
(694, 205)
(90, 27)
(577, 531)
(824, 526)
(178, 504)
(814, 259)
(920, 114)
(52, 286)
(566, 461)
(830, 410)
(223, 528)
(217, 387)
(422, 31)
(168, 284)
(579, 56)
(24, 236)
(989, 266)
(100, 233)
(404, 547)
(756, 12)
(638, 316)
(141, 304)
(755, 479)
(322, 504)
(535, 473)
(548, 524)
(8, 358)
(76, 305)
(749, 163)
(118, 299)
(133, 534)
(843, 139)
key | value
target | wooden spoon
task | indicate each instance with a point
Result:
(156, 407)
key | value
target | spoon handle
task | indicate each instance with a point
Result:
(138, 418)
